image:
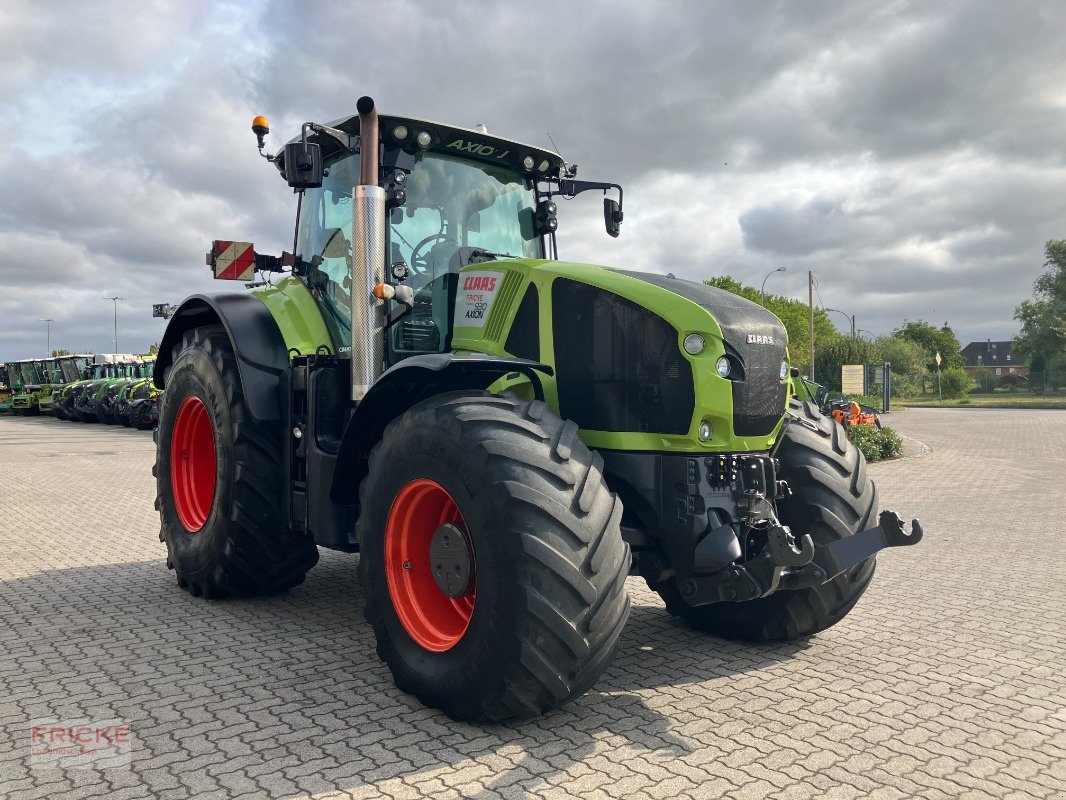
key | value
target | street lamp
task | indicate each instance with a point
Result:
(851, 319)
(48, 322)
(115, 301)
(872, 337)
(762, 289)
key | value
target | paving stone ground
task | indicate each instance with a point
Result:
(947, 680)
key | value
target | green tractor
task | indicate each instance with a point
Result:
(138, 406)
(72, 369)
(5, 389)
(503, 437)
(95, 401)
(34, 384)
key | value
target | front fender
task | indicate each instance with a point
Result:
(404, 385)
(257, 342)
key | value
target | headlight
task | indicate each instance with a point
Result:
(694, 344)
(784, 370)
(705, 431)
(722, 367)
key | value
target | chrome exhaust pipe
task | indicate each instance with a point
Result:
(368, 256)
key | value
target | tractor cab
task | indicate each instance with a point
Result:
(454, 197)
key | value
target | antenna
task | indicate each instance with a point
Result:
(570, 170)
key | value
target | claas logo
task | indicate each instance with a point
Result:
(479, 283)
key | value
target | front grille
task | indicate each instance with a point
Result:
(619, 365)
(759, 397)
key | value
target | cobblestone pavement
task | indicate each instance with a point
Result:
(946, 681)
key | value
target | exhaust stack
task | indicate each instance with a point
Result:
(368, 255)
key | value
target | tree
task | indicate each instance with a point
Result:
(60, 352)
(906, 357)
(1043, 333)
(933, 340)
(793, 315)
(842, 350)
(153, 349)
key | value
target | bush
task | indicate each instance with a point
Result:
(985, 379)
(872, 400)
(955, 382)
(905, 386)
(876, 443)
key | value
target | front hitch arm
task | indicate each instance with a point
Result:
(791, 563)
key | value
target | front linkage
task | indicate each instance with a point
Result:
(751, 553)
(785, 563)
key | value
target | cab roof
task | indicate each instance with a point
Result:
(446, 139)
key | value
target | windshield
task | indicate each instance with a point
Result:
(451, 203)
(30, 375)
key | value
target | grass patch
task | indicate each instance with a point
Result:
(993, 400)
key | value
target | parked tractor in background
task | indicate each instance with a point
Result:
(5, 389)
(73, 369)
(36, 374)
(94, 403)
(138, 406)
(500, 435)
(101, 367)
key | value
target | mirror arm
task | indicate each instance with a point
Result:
(347, 141)
(572, 188)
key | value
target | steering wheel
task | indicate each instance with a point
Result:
(419, 264)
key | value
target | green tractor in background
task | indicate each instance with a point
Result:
(35, 382)
(94, 403)
(92, 371)
(502, 436)
(5, 389)
(139, 406)
(73, 369)
(128, 394)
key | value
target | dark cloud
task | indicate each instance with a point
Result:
(910, 154)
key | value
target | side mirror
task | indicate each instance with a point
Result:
(612, 216)
(303, 165)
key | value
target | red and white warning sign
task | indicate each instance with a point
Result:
(232, 261)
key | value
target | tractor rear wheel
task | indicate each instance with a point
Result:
(832, 499)
(218, 482)
(491, 557)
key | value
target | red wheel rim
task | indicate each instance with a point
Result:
(433, 619)
(193, 464)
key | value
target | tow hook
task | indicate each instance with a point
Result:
(790, 562)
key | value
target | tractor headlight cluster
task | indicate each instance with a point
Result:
(547, 222)
(723, 367)
(395, 189)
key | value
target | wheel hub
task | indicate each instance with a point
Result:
(449, 555)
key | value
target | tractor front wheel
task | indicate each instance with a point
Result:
(218, 479)
(832, 499)
(491, 557)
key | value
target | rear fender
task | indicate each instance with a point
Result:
(410, 382)
(257, 342)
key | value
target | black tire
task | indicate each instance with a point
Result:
(549, 561)
(832, 499)
(243, 547)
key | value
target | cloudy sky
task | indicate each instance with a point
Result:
(909, 153)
